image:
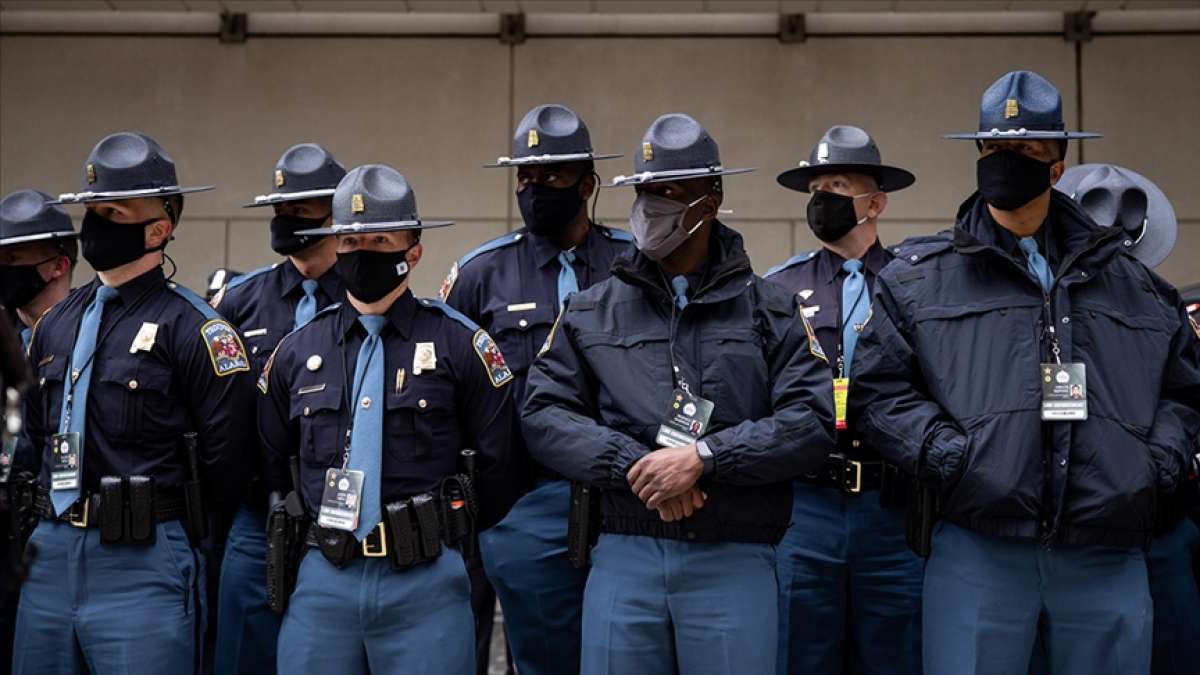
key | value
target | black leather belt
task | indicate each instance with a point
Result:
(375, 545)
(852, 476)
(85, 512)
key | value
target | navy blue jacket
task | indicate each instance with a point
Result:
(510, 287)
(947, 383)
(816, 278)
(598, 393)
(428, 418)
(195, 377)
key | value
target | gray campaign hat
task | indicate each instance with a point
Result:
(305, 171)
(675, 147)
(1021, 105)
(1114, 196)
(550, 134)
(127, 165)
(846, 149)
(30, 215)
(374, 198)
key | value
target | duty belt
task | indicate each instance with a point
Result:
(852, 476)
(85, 512)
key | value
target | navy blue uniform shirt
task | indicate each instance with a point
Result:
(816, 280)
(510, 287)
(195, 376)
(428, 417)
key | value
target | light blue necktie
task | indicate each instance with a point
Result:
(680, 284)
(81, 362)
(366, 438)
(855, 307)
(568, 283)
(26, 334)
(306, 309)
(1037, 265)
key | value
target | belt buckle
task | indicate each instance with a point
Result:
(73, 512)
(856, 487)
(380, 552)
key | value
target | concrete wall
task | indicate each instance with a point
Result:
(437, 108)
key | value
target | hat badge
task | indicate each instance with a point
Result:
(1010, 109)
(647, 151)
(823, 153)
(533, 138)
(278, 177)
(356, 204)
(91, 173)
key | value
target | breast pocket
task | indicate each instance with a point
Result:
(982, 357)
(735, 372)
(133, 396)
(51, 375)
(521, 334)
(319, 415)
(635, 379)
(422, 421)
(1114, 344)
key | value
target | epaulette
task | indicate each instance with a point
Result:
(450, 312)
(497, 370)
(498, 242)
(916, 249)
(195, 300)
(243, 278)
(791, 262)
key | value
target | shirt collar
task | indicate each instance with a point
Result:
(545, 250)
(400, 315)
(829, 264)
(292, 278)
(133, 289)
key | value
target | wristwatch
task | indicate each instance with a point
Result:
(706, 457)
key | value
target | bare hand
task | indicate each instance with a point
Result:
(683, 506)
(665, 473)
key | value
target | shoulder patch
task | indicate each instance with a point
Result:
(814, 345)
(553, 331)
(791, 262)
(225, 348)
(499, 242)
(243, 278)
(616, 233)
(195, 300)
(448, 284)
(493, 361)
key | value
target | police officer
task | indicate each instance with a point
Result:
(1114, 196)
(691, 392)
(265, 305)
(37, 255)
(513, 286)
(130, 366)
(850, 588)
(379, 396)
(963, 377)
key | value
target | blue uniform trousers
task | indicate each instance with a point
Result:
(849, 587)
(987, 599)
(111, 609)
(525, 556)
(369, 618)
(1176, 600)
(247, 629)
(664, 606)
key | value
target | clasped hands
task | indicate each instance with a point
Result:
(666, 480)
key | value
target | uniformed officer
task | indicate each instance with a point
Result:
(37, 255)
(963, 376)
(691, 392)
(1114, 196)
(265, 305)
(850, 588)
(513, 286)
(379, 396)
(140, 419)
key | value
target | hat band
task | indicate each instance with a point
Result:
(650, 175)
(60, 234)
(365, 227)
(299, 194)
(531, 159)
(72, 197)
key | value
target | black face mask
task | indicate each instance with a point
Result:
(20, 284)
(106, 244)
(1009, 180)
(284, 239)
(831, 216)
(548, 211)
(370, 275)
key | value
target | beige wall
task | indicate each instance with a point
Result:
(438, 108)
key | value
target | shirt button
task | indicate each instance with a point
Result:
(42, 382)
(422, 403)
(133, 384)
(855, 443)
(1066, 319)
(307, 411)
(366, 402)
(913, 258)
(254, 349)
(1062, 462)
(522, 323)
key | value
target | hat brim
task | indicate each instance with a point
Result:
(40, 236)
(890, 178)
(1162, 227)
(1017, 135)
(537, 160)
(647, 177)
(284, 197)
(122, 195)
(395, 226)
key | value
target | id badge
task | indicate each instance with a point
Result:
(1064, 392)
(841, 392)
(6, 458)
(686, 420)
(341, 500)
(64, 461)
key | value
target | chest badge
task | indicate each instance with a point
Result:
(314, 363)
(144, 340)
(424, 357)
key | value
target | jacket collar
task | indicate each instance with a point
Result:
(728, 270)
